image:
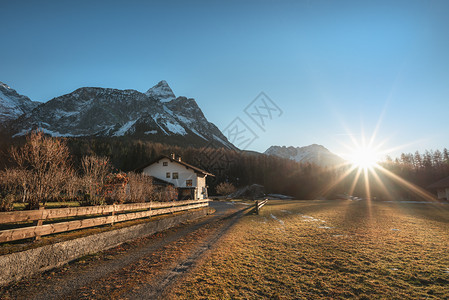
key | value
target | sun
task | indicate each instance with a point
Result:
(364, 157)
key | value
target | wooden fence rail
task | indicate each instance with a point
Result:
(259, 205)
(137, 211)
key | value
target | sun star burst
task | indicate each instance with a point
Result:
(364, 157)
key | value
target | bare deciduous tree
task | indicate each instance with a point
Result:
(73, 185)
(15, 182)
(95, 169)
(44, 165)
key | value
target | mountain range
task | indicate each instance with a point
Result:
(315, 154)
(156, 115)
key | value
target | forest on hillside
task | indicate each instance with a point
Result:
(277, 175)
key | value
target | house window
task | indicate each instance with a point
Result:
(165, 163)
(189, 182)
(175, 175)
(167, 175)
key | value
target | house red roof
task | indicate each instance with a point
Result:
(443, 183)
(195, 169)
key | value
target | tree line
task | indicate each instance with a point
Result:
(239, 168)
(421, 169)
(42, 170)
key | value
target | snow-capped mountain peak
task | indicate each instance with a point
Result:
(4, 85)
(12, 104)
(161, 92)
(316, 154)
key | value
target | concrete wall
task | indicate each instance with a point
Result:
(22, 264)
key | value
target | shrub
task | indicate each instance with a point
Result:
(94, 200)
(114, 188)
(6, 203)
(169, 193)
(140, 188)
(225, 188)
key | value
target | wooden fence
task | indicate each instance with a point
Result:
(259, 205)
(116, 213)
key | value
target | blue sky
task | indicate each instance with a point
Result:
(335, 68)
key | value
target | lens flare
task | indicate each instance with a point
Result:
(364, 162)
(364, 157)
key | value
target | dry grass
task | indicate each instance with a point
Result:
(21, 206)
(329, 249)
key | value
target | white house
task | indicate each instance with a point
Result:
(189, 180)
(442, 188)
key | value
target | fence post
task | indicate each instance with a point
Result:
(257, 206)
(113, 214)
(39, 222)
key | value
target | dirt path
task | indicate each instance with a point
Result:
(159, 288)
(142, 269)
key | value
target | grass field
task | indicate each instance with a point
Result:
(21, 206)
(329, 249)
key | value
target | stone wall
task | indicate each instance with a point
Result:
(18, 265)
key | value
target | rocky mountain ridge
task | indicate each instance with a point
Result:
(314, 153)
(12, 104)
(157, 115)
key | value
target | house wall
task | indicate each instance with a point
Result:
(159, 171)
(201, 191)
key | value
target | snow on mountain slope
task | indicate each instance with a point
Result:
(315, 154)
(161, 91)
(93, 111)
(12, 104)
(187, 112)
